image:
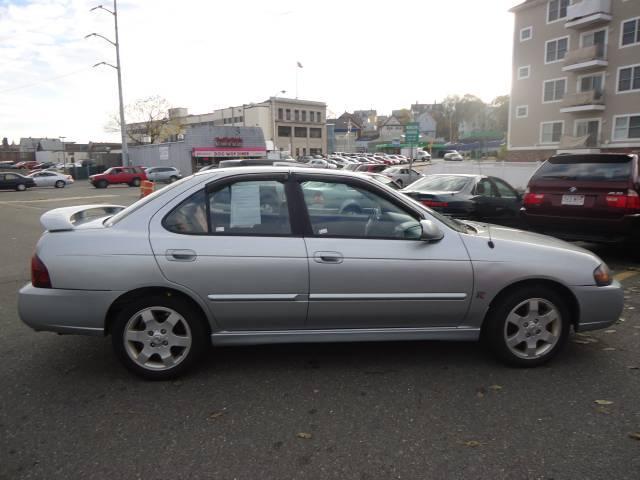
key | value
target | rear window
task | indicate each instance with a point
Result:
(441, 183)
(612, 168)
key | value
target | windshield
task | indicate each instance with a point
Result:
(441, 183)
(612, 168)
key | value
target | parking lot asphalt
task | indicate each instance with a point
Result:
(349, 411)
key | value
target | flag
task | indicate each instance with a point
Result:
(299, 64)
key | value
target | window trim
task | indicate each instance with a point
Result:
(526, 115)
(613, 128)
(524, 29)
(566, 89)
(522, 77)
(632, 90)
(555, 40)
(622, 22)
(547, 123)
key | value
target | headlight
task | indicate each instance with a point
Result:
(602, 275)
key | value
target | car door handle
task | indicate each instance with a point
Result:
(181, 255)
(328, 257)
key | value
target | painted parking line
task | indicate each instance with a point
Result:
(626, 275)
(60, 199)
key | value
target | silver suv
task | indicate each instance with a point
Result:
(163, 174)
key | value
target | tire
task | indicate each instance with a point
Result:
(102, 184)
(21, 187)
(516, 334)
(172, 178)
(60, 184)
(153, 356)
(135, 182)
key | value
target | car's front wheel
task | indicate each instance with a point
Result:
(60, 184)
(21, 187)
(159, 337)
(102, 184)
(528, 326)
(172, 178)
(135, 182)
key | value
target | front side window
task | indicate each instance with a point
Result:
(629, 79)
(557, 10)
(241, 208)
(504, 190)
(484, 188)
(342, 210)
(554, 90)
(556, 50)
(551, 132)
(631, 32)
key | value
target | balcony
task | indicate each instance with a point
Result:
(588, 13)
(591, 101)
(586, 58)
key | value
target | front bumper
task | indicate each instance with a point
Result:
(599, 307)
(81, 312)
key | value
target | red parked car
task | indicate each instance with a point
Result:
(590, 197)
(132, 176)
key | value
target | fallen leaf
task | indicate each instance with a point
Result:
(631, 308)
(635, 435)
(495, 387)
(604, 402)
(608, 349)
(304, 435)
(633, 367)
(610, 331)
(580, 342)
(215, 415)
(480, 392)
(472, 443)
(603, 410)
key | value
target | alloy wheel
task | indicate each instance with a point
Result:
(533, 328)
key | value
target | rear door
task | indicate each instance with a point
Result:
(234, 244)
(508, 204)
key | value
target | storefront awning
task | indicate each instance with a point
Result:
(226, 152)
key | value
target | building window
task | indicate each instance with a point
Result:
(630, 32)
(284, 131)
(555, 50)
(304, 115)
(554, 90)
(300, 132)
(319, 116)
(288, 112)
(589, 83)
(629, 79)
(526, 34)
(522, 111)
(557, 10)
(280, 114)
(626, 127)
(312, 116)
(524, 72)
(551, 132)
(296, 115)
(315, 132)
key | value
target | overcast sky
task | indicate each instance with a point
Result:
(205, 54)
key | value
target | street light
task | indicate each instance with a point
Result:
(118, 68)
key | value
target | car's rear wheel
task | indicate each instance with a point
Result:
(159, 337)
(59, 184)
(528, 327)
(172, 178)
(102, 184)
(21, 187)
(135, 182)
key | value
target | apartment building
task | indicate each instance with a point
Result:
(576, 78)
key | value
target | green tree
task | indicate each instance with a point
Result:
(501, 112)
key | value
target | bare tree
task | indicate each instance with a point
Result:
(147, 121)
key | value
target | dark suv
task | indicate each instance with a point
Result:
(591, 197)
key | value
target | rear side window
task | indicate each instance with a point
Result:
(612, 168)
(442, 183)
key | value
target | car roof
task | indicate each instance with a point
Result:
(273, 169)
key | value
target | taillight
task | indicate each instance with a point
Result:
(532, 198)
(630, 201)
(433, 203)
(39, 273)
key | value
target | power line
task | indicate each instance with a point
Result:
(44, 80)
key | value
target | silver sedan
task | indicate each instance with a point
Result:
(48, 178)
(254, 255)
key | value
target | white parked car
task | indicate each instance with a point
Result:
(453, 157)
(321, 163)
(163, 174)
(50, 178)
(403, 176)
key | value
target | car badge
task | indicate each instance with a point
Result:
(573, 189)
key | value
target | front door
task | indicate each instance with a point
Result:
(368, 269)
(232, 243)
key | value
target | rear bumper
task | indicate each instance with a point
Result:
(81, 312)
(613, 230)
(599, 307)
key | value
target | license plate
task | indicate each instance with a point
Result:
(573, 200)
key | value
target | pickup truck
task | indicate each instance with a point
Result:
(132, 176)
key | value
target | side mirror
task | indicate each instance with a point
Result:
(430, 231)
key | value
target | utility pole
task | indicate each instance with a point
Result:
(118, 67)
